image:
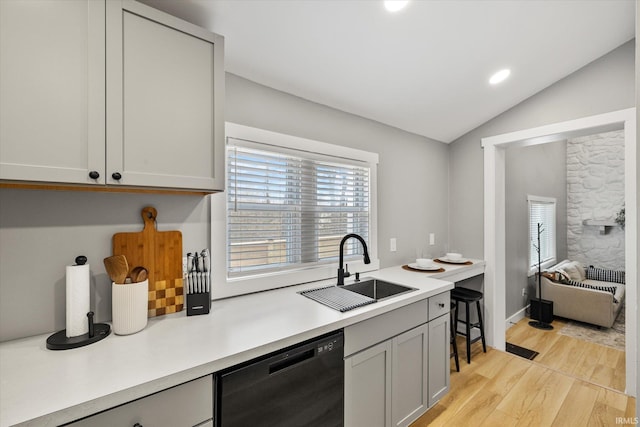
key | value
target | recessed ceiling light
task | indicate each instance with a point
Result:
(500, 76)
(395, 5)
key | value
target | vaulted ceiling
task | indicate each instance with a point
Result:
(424, 69)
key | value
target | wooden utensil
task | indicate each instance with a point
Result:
(138, 274)
(117, 268)
(160, 252)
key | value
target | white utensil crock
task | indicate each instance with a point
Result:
(129, 307)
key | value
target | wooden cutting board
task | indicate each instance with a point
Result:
(160, 252)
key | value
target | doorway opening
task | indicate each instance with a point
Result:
(495, 219)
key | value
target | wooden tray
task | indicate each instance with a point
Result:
(453, 263)
(406, 267)
(160, 252)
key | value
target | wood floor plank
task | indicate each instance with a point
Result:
(587, 362)
(525, 391)
(576, 411)
(610, 407)
(499, 418)
(547, 402)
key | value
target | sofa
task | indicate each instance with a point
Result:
(580, 293)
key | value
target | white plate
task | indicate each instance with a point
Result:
(430, 268)
(454, 261)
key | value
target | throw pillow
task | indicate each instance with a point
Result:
(611, 289)
(572, 270)
(605, 275)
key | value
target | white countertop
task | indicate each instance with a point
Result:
(44, 387)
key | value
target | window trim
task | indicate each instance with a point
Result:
(532, 270)
(224, 286)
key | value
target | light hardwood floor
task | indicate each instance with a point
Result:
(500, 389)
(588, 361)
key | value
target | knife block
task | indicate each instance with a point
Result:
(199, 303)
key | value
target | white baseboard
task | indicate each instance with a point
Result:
(512, 320)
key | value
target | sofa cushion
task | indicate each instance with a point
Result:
(616, 276)
(575, 271)
(605, 288)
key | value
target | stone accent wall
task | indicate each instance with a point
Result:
(595, 190)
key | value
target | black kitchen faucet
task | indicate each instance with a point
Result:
(341, 272)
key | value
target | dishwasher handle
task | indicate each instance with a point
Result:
(291, 360)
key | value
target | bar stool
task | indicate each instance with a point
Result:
(452, 339)
(469, 296)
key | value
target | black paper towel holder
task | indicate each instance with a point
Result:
(97, 331)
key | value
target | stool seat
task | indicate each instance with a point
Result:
(464, 294)
(468, 297)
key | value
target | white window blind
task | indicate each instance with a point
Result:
(542, 210)
(289, 209)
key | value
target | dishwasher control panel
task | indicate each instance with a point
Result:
(330, 345)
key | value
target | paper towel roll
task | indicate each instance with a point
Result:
(77, 300)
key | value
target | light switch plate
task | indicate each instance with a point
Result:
(392, 244)
(432, 238)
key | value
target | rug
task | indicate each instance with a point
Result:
(613, 337)
(521, 351)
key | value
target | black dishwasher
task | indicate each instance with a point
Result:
(302, 385)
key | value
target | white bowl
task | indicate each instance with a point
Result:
(453, 256)
(424, 262)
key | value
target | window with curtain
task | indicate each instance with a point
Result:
(542, 210)
(288, 209)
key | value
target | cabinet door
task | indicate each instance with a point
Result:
(367, 382)
(439, 353)
(52, 65)
(165, 92)
(409, 395)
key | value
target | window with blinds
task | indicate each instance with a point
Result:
(289, 209)
(542, 210)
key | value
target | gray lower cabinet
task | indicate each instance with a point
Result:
(409, 383)
(109, 93)
(394, 381)
(186, 405)
(367, 379)
(439, 356)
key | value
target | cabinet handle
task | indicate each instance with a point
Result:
(441, 305)
(138, 425)
(94, 175)
(117, 176)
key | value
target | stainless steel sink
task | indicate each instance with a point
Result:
(377, 289)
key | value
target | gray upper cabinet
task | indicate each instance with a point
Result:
(114, 93)
(165, 94)
(52, 74)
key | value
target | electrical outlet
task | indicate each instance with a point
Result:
(432, 238)
(392, 244)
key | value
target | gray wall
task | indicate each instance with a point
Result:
(42, 231)
(538, 170)
(604, 85)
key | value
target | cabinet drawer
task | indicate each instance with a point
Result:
(187, 405)
(439, 305)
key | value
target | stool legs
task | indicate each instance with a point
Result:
(484, 344)
(452, 321)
